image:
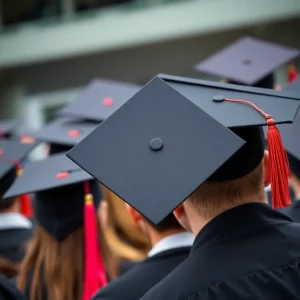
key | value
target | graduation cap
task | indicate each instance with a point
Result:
(99, 100)
(248, 61)
(7, 126)
(172, 136)
(64, 133)
(65, 200)
(11, 155)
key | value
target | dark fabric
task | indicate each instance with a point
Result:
(143, 276)
(8, 291)
(126, 265)
(292, 196)
(13, 242)
(249, 252)
(293, 211)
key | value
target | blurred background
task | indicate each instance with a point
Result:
(50, 49)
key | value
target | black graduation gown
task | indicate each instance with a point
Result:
(249, 252)
(137, 281)
(8, 291)
(13, 241)
(293, 211)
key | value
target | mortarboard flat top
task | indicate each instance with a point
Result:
(43, 175)
(99, 100)
(247, 60)
(65, 131)
(159, 147)
(59, 190)
(7, 126)
(11, 152)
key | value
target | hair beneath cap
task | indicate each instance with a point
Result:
(60, 211)
(246, 159)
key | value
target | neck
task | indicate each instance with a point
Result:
(198, 222)
(156, 236)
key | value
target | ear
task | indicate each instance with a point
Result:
(266, 169)
(134, 214)
(178, 212)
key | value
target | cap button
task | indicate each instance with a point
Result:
(108, 101)
(156, 144)
(218, 98)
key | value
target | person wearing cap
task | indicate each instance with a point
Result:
(8, 291)
(99, 99)
(128, 242)
(248, 61)
(63, 133)
(197, 148)
(171, 245)
(15, 227)
(67, 257)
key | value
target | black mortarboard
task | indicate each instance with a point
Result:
(100, 99)
(11, 155)
(248, 61)
(64, 133)
(7, 127)
(58, 184)
(167, 140)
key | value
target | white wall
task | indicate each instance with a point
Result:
(137, 65)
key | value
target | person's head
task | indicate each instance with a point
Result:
(214, 197)
(125, 240)
(167, 226)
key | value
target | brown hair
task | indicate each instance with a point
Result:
(125, 240)
(59, 263)
(8, 267)
(213, 198)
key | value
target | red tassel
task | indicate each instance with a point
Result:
(279, 166)
(94, 273)
(292, 73)
(26, 208)
(25, 200)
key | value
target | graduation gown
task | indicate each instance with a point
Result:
(144, 275)
(293, 211)
(249, 252)
(13, 241)
(8, 291)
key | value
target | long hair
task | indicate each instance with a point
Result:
(8, 267)
(125, 240)
(55, 268)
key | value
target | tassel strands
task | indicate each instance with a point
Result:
(94, 273)
(279, 166)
